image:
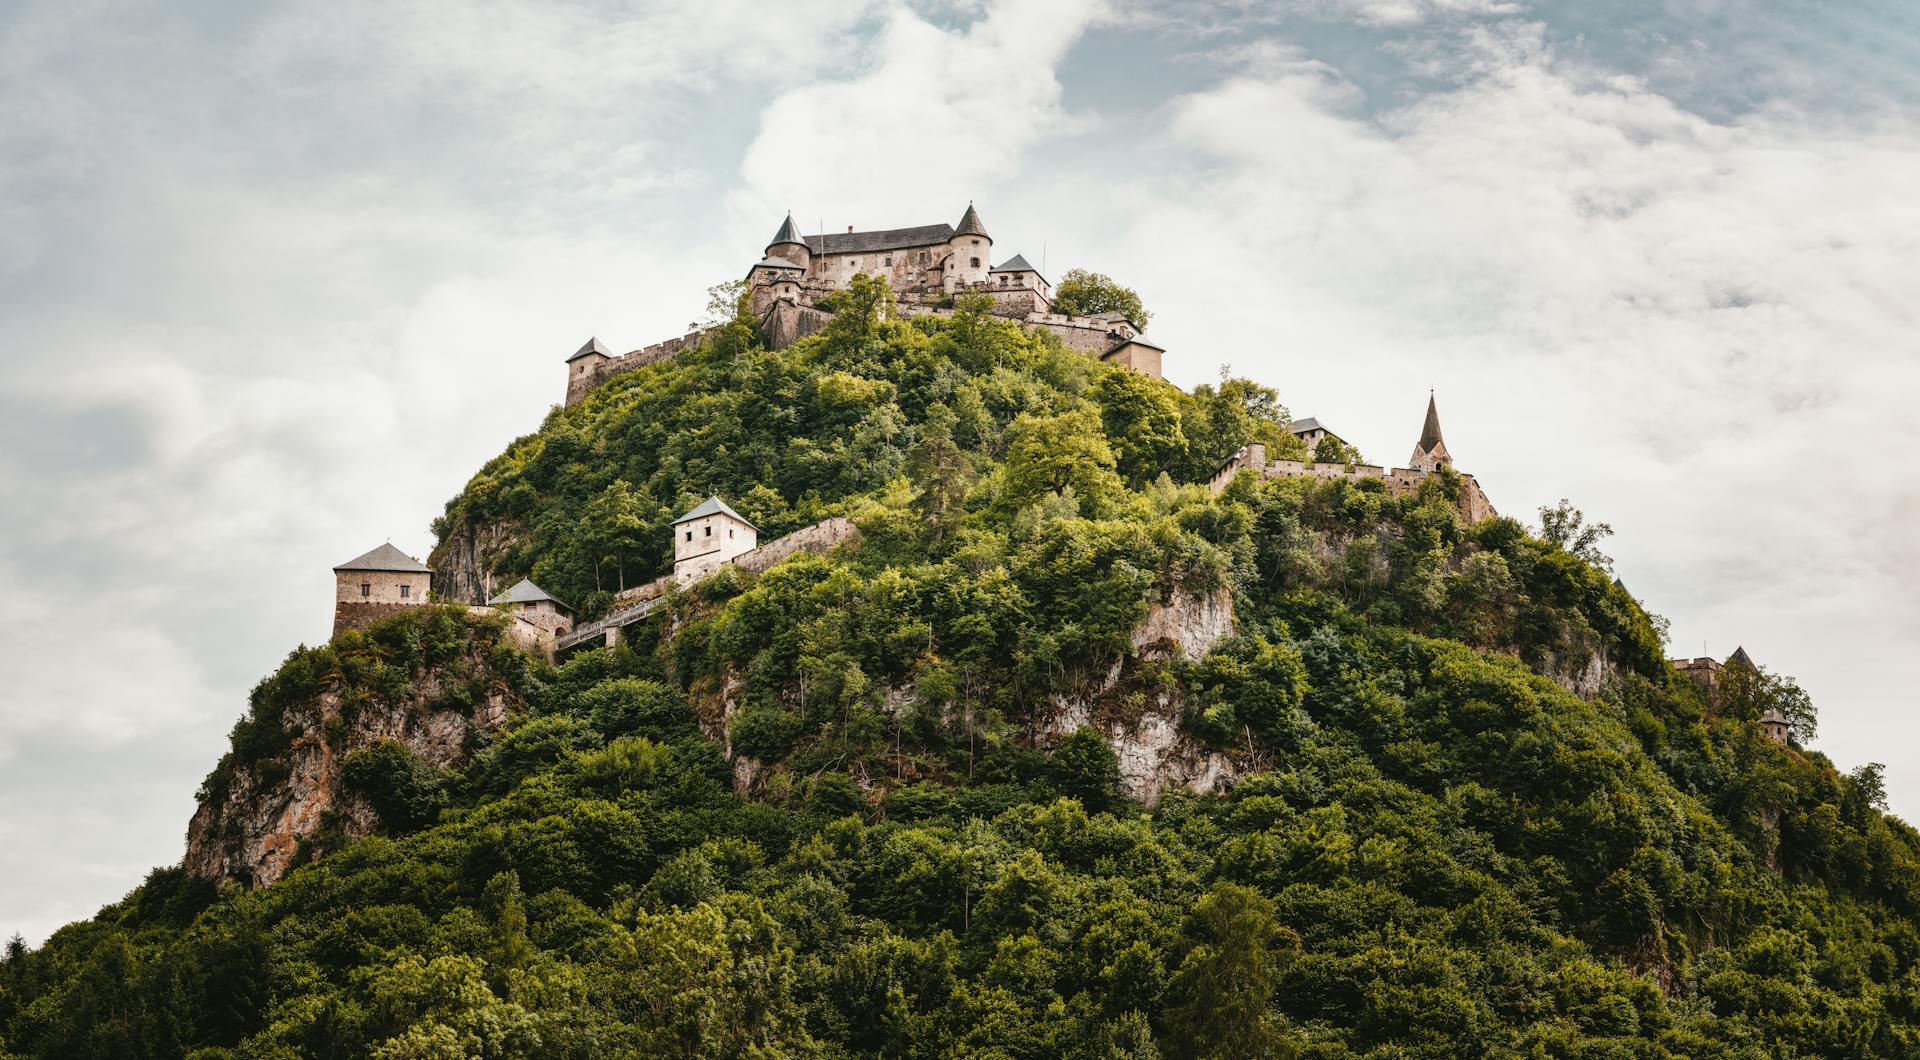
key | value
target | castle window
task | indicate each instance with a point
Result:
(405, 591)
(889, 262)
(976, 242)
(709, 531)
(975, 261)
(366, 588)
(689, 535)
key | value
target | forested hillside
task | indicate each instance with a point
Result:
(871, 803)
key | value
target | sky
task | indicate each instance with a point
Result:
(276, 278)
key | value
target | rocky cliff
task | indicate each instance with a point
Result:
(463, 564)
(256, 817)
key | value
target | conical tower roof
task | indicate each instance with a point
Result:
(970, 225)
(789, 233)
(1741, 658)
(1430, 431)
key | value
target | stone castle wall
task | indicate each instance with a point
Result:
(587, 373)
(1473, 503)
(348, 616)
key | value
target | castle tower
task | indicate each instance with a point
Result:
(789, 245)
(968, 252)
(708, 537)
(377, 585)
(1430, 452)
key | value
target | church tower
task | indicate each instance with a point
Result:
(1430, 452)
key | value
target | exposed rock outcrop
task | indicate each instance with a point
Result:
(463, 563)
(1187, 625)
(254, 817)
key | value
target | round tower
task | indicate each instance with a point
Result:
(970, 250)
(788, 244)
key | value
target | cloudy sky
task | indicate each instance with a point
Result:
(275, 278)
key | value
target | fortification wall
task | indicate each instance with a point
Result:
(348, 616)
(1473, 502)
(820, 537)
(580, 383)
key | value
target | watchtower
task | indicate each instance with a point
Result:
(377, 585)
(707, 537)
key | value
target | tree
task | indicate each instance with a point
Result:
(1331, 450)
(1564, 527)
(1083, 293)
(1227, 978)
(1086, 768)
(941, 469)
(859, 309)
(1050, 454)
(1143, 421)
(1748, 692)
(726, 303)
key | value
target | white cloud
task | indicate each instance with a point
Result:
(936, 117)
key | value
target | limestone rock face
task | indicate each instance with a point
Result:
(463, 564)
(249, 830)
(1187, 625)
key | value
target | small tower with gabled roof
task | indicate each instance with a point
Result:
(709, 536)
(534, 605)
(1430, 452)
(377, 585)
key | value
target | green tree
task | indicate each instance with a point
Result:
(1564, 527)
(1142, 419)
(1226, 979)
(1083, 293)
(1055, 454)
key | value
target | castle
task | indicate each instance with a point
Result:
(927, 266)
(1429, 456)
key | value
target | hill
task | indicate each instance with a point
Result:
(999, 781)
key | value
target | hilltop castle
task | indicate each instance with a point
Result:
(926, 266)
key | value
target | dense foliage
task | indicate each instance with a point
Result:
(1083, 293)
(1433, 851)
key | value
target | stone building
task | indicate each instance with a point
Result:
(377, 585)
(707, 537)
(926, 265)
(1429, 456)
(532, 604)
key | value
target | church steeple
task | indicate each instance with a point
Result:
(1430, 452)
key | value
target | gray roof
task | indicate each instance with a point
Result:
(385, 558)
(592, 347)
(890, 239)
(1308, 424)
(970, 225)
(522, 592)
(1774, 716)
(789, 232)
(711, 506)
(1140, 340)
(1017, 263)
(1740, 656)
(771, 262)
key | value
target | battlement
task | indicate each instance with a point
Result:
(1429, 454)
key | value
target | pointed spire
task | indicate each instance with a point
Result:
(970, 225)
(1430, 431)
(789, 233)
(1741, 658)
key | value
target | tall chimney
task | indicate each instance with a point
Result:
(849, 229)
